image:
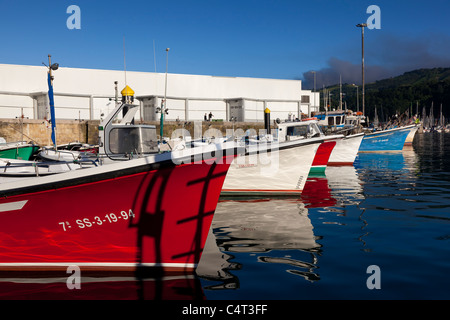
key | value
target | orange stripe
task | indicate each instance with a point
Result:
(335, 164)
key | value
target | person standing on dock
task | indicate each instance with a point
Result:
(210, 116)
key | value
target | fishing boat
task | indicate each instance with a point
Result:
(349, 124)
(386, 140)
(20, 150)
(148, 209)
(68, 151)
(334, 120)
(279, 164)
(78, 146)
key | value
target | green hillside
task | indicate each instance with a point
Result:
(412, 90)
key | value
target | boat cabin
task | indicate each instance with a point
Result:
(331, 119)
(355, 119)
(122, 138)
(288, 131)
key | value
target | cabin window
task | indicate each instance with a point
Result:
(297, 131)
(331, 121)
(130, 139)
(338, 120)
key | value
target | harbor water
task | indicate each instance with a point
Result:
(377, 230)
(384, 221)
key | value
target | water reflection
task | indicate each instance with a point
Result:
(102, 287)
(387, 178)
(277, 231)
(215, 265)
(390, 209)
(433, 150)
(390, 182)
(346, 185)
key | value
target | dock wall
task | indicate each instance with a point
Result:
(67, 131)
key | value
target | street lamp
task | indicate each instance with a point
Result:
(163, 103)
(314, 92)
(362, 25)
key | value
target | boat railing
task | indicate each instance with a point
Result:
(41, 168)
(62, 154)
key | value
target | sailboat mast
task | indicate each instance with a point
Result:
(340, 92)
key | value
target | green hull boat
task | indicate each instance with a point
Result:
(18, 150)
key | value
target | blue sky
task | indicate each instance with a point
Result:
(282, 39)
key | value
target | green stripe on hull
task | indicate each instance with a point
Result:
(317, 170)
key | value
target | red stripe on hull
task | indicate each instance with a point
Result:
(158, 217)
(323, 153)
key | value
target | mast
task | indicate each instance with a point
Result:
(340, 92)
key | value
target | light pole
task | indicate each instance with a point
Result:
(357, 97)
(314, 92)
(362, 25)
(163, 104)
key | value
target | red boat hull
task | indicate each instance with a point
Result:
(156, 218)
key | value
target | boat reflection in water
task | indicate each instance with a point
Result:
(272, 229)
(275, 235)
(102, 287)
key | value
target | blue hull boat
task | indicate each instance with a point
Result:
(386, 140)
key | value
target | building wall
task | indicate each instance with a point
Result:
(86, 94)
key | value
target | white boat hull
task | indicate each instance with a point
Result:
(346, 150)
(410, 137)
(283, 171)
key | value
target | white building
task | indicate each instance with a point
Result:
(87, 94)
